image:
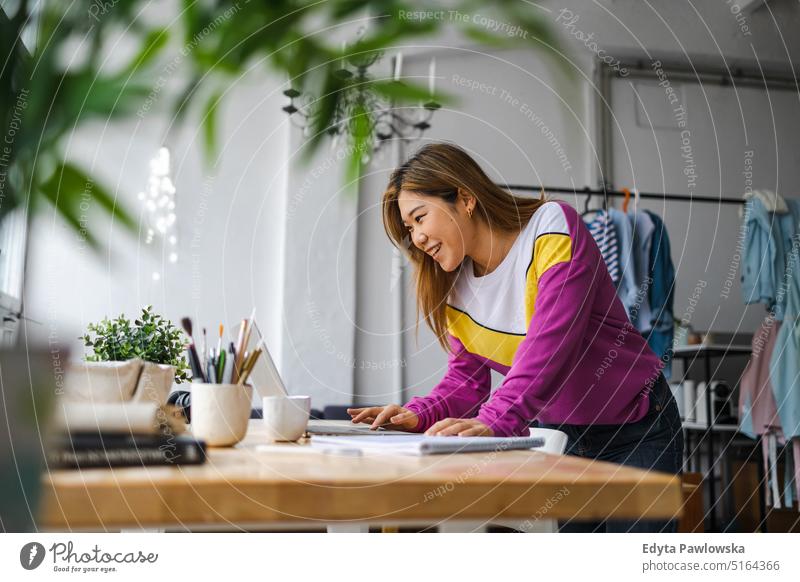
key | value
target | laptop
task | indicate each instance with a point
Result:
(264, 377)
(349, 429)
(267, 381)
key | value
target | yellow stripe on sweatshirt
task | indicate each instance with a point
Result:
(494, 344)
(548, 250)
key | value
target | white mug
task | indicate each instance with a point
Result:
(286, 417)
(220, 413)
(700, 409)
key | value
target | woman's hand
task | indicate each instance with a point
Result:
(390, 416)
(460, 427)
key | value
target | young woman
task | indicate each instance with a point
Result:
(518, 285)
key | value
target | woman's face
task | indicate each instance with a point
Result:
(442, 230)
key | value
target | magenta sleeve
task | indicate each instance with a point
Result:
(547, 356)
(465, 386)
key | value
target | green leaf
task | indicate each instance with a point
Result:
(361, 131)
(154, 43)
(69, 190)
(85, 94)
(209, 123)
(324, 110)
(407, 93)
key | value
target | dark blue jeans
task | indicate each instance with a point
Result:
(655, 443)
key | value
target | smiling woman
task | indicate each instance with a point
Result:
(428, 209)
(518, 285)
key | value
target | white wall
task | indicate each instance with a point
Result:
(319, 303)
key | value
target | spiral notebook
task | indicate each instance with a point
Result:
(417, 444)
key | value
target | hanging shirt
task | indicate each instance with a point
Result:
(662, 295)
(626, 287)
(548, 318)
(604, 234)
(767, 240)
(785, 360)
(643, 228)
(757, 410)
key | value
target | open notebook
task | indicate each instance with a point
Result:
(417, 444)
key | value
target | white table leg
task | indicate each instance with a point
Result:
(348, 527)
(462, 526)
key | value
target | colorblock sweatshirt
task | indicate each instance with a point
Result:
(548, 319)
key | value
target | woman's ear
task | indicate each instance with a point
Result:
(467, 201)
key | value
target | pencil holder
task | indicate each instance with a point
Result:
(220, 413)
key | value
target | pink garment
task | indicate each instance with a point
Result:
(796, 450)
(755, 388)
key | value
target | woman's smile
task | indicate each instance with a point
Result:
(434, 250)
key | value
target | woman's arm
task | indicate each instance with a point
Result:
(465, 386)
(552, 346)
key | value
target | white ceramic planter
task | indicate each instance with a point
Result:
(155, 383)
(131, 380)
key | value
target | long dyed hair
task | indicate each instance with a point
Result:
(440, 169)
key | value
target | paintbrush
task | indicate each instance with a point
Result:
(194, 359)
(203, 348)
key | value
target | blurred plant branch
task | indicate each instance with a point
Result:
(48, 94)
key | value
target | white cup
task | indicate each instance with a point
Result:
(286, 417)
(220, 413)
(700, 409)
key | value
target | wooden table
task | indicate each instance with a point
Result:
(257, 485)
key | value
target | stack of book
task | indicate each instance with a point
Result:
(125, 434)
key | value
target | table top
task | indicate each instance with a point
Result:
(261, 483)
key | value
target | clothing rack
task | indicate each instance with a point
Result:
(619, 194)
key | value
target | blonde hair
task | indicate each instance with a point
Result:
(441, 169)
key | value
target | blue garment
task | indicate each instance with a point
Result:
(662, 295)
(626, 288)
(767, 239)
(643, 228)
(784, 371)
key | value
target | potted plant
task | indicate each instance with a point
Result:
(135, 361)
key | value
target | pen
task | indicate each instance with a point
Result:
(220, 366)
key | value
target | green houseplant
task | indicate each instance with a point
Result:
(129, 360)
(150, 337)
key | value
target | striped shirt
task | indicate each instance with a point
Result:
(548, 319)
(602, 230)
